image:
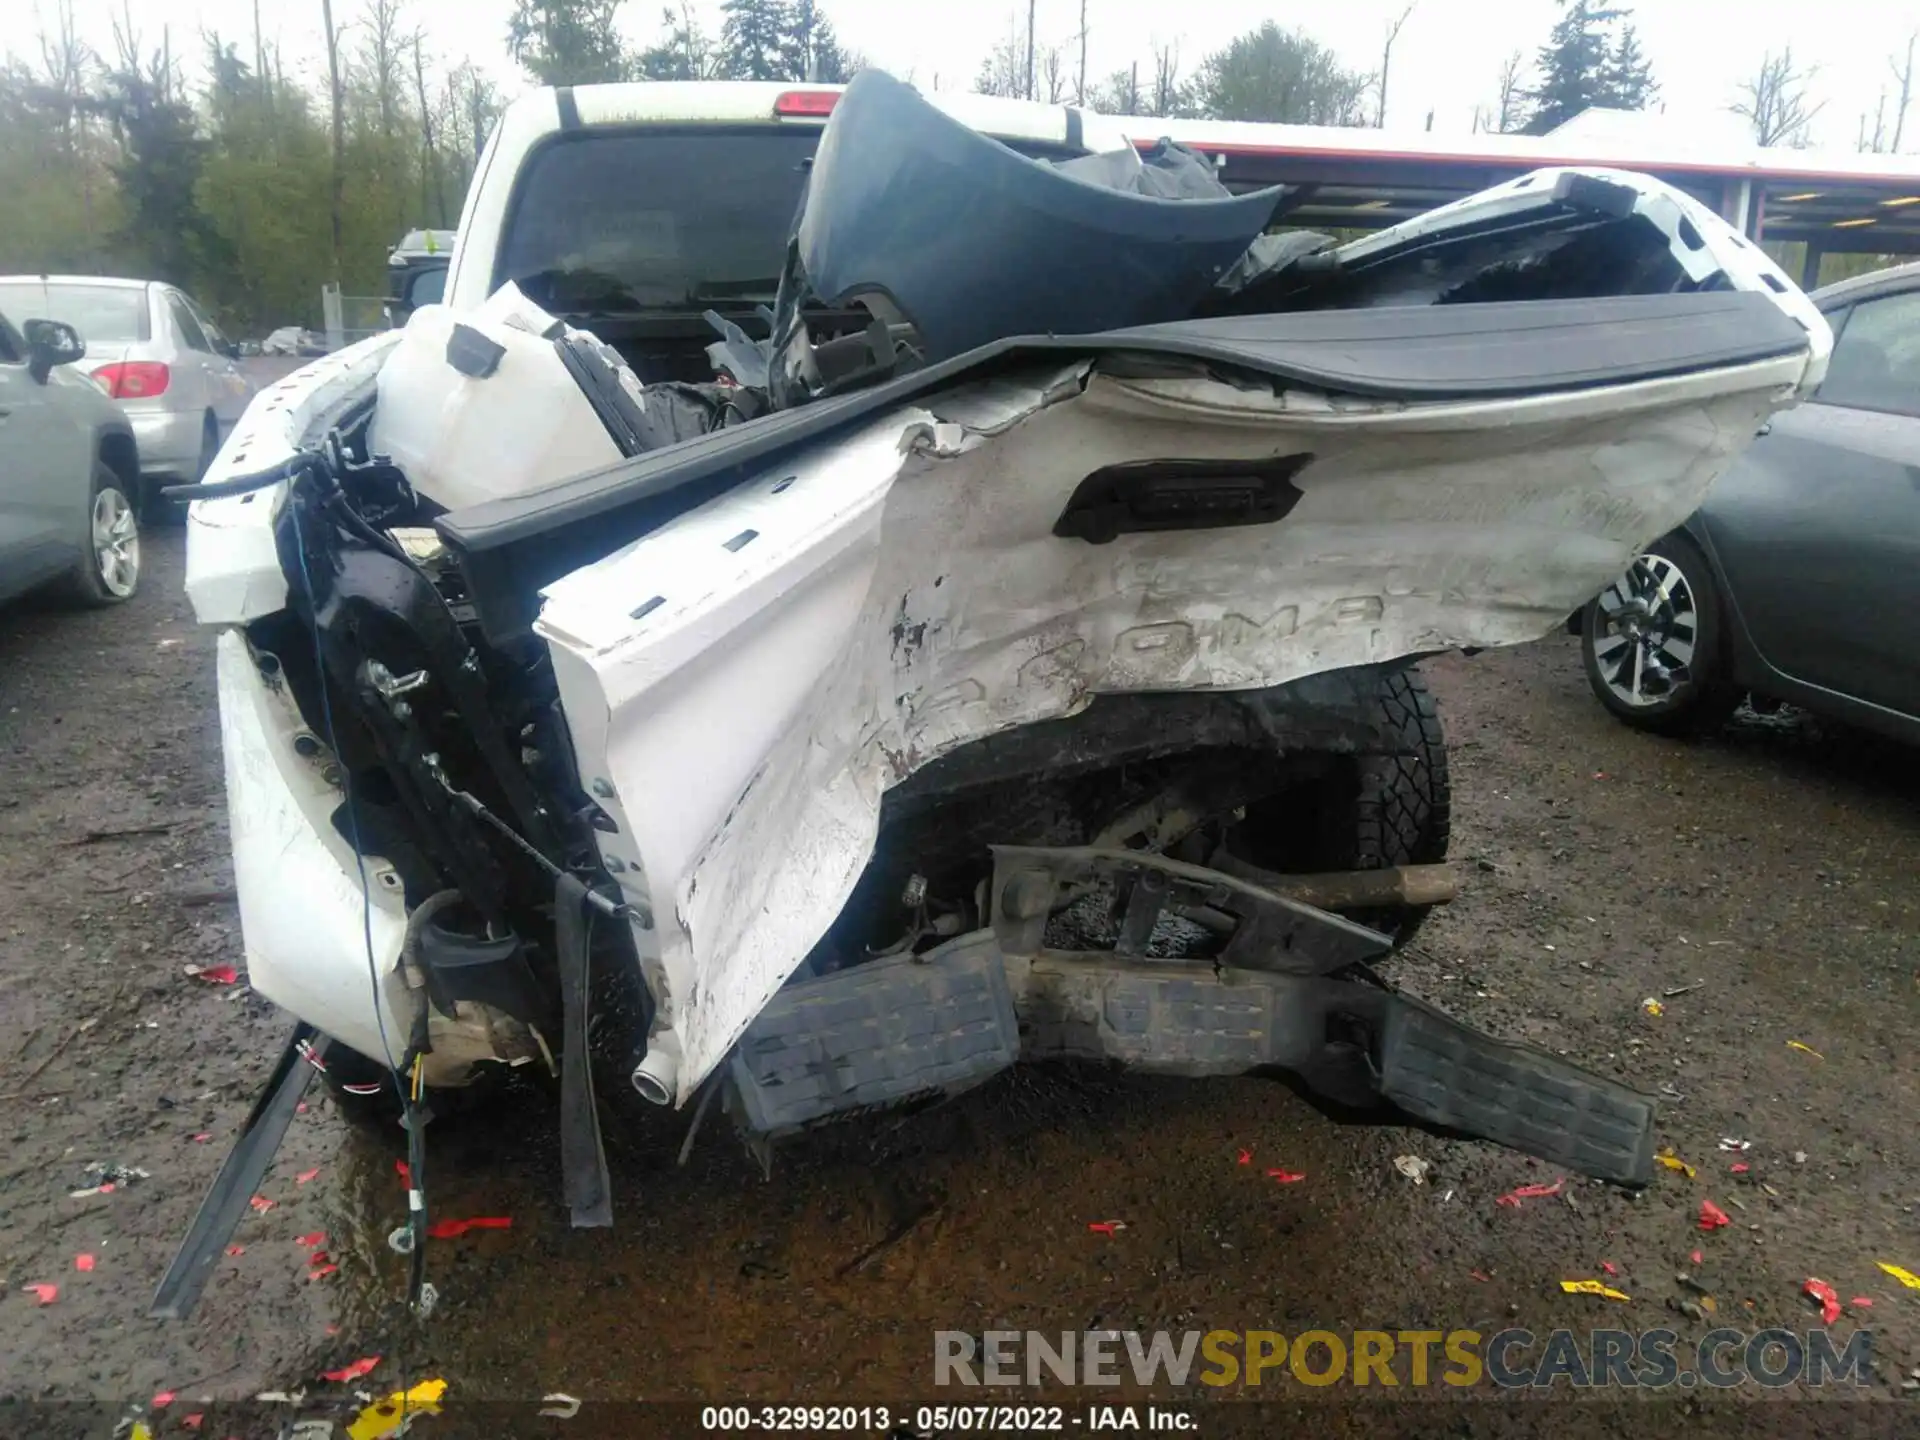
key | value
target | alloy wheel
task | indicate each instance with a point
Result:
(116, 543)
(1650, 623)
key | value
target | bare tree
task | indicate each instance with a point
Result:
(260, 60)
(1775, 101)
(1386, 62)
(1874, 142)
(1053, 74)
(1512, 92)
(431, 187)
(1080, 90)
(1903, 73)
(1030, 12)
(337, 100)
(1166, 79)
(380, 57)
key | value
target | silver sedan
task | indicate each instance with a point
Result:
(156, 352)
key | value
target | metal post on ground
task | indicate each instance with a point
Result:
(331, 319)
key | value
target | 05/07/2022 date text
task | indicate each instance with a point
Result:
(937, 1419)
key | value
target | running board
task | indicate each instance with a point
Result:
(897, 1030)
(240, 1176)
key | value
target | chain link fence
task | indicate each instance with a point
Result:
(351, 318)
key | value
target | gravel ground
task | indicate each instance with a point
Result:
(1763, 886)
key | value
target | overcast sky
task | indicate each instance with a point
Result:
(1446, 61)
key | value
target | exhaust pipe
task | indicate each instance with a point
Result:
(657, 1075)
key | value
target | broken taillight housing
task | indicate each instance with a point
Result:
(806, 103)
(134, 379)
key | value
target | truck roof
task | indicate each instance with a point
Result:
(551, 113)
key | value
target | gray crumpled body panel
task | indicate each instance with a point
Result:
(1095, 244)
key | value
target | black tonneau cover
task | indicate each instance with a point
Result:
(509, 549)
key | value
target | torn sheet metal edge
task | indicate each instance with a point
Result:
(889, 607)
(303, 919)
(1699, 240)
(233, 567)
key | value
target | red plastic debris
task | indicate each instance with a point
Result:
(453, 1229)
(354, 1371)
(192, 1422)
(1829, 1300)
(1286, 1177)
(1608, 1266)
(301, 1108)
(311, 1240)
(1739, 1167)
(83, 1261)
(45, 1294)
(405, 1172)
(1695, 1257)
(236, 1249)
(321, 1272)
(1481, 1276)
(217, 974)
(203, 1137)
(1860, 1302)
(262, 1204)
(1530, 1192)
(1246, 1157)
(305, 1175)
(107, 1188)
(1104, 1227)
(1712, 1217)
(163, 1399)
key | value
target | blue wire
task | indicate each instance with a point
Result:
(353, 816)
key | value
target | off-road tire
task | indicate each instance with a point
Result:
(1402, 812)
(1389, 806)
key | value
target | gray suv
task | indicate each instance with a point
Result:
(69, 472)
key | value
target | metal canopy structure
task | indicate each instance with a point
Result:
(1353, 179)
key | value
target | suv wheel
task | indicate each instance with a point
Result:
(109, 572)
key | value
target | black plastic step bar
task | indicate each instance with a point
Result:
(240, 1175)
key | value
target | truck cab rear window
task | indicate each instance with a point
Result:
(626, 222)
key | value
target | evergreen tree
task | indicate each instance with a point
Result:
(1577, 64)
(158, 173)
(1629, 81)
(818, 48)
(760, 40)
(568, 42)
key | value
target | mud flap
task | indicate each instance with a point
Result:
(240, 1175)
(583, 1159)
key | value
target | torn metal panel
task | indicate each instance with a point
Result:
(751, 705)
(233, 569)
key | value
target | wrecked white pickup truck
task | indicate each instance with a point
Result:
(995, 648)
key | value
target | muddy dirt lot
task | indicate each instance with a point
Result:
(1764, 887)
